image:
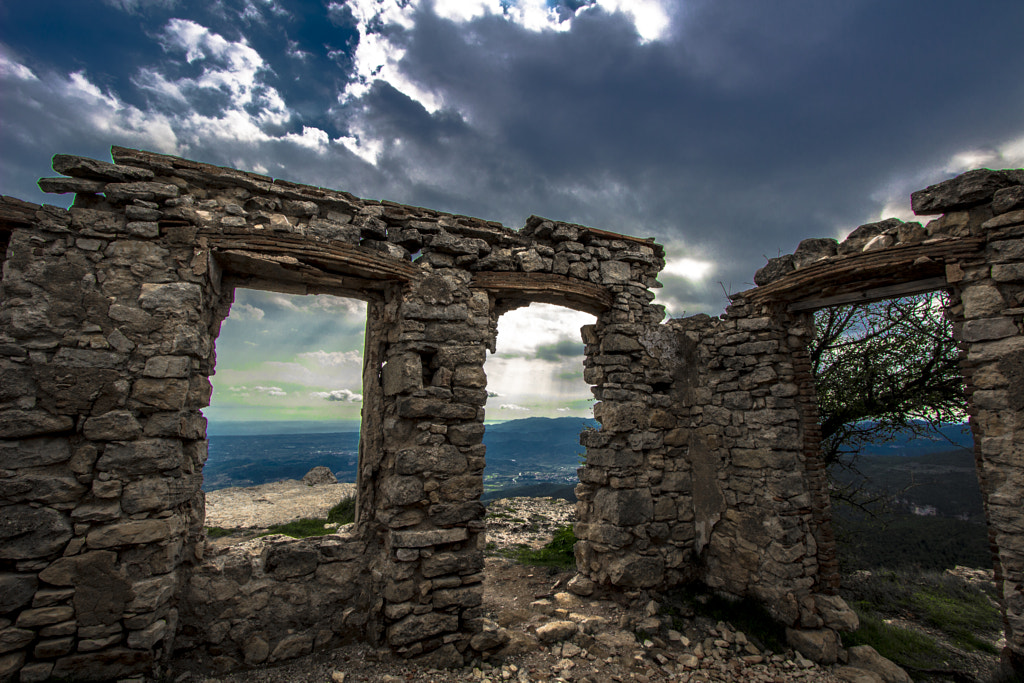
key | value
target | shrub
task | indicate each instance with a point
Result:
(218, 532)
(344, 512)
(903, 646)
(558, 552)
(301, 528)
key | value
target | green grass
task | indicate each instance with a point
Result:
(961, 617)
(218, 532)
(343, 513)
(301, 528)
(961, 611)
(903, 646)
(556, 553)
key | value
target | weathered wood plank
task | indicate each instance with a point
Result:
(545, 288)
(869, 295)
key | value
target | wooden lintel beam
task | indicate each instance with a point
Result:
(869, 295)
(545, 288)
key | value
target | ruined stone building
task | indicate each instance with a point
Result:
(706, 466)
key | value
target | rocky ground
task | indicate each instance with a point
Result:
(277, 503)
(552, 634)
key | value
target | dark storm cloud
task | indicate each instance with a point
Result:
(746, 128)
(746, 132)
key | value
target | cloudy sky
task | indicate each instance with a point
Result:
(727, 129)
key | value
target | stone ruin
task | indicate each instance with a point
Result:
(706, 466)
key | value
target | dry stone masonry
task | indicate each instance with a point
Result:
(706, 466)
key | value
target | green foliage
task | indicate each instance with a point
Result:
(884, 368)
(962, 611)
(903, 646)
(344, 512)
(908, 541)
(341, 514)
(746, 615)
(558, 552)
(962, 617)
(218, 532)
(301, 528)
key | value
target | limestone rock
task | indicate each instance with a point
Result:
(29, 532)
(867, 658)
(968, 189)
(554, 631)
(83, 167)
(319, 476)
(821, 645)
(774, 269)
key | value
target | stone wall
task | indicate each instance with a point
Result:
(275, 598)
(706, 465)
(109, 314)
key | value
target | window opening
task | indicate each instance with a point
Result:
(538, 403)
(907, 506)
(284, 418)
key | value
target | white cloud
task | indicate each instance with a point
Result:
(895, 195)
(269, 391)
(10, 68)
(286, 302)
(362, 144)
(650, 17)
(511, 406)
(1009, 154)
(330, 359)
(246, 312)
(342, 395)
(524, 330)
(311, 138)
(689, 268)
(134, 5)
(383, 26)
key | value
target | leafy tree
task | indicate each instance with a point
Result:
(882, 369)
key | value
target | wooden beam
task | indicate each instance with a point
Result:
(854, 273)
(869, 295)
(545, 288)
(336, 258)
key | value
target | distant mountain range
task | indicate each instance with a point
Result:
(539, 456)
(519, 452)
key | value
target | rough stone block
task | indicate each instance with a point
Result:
(820, 645)
(143, 456)
(162, 394)
(129, 533)
(29, 532)
(444, 460)
(424, 539)
(966, 190)
(115, 425)
(171, 297)
(637, 571)
(988, 328)
(614, 457)
(16, 424)
(33, 452)
(624, 507)
(399, 491)
(83, 167)
(16, 590)
(168, 366)
(622, 417)
(417, 627)
(614, 272)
